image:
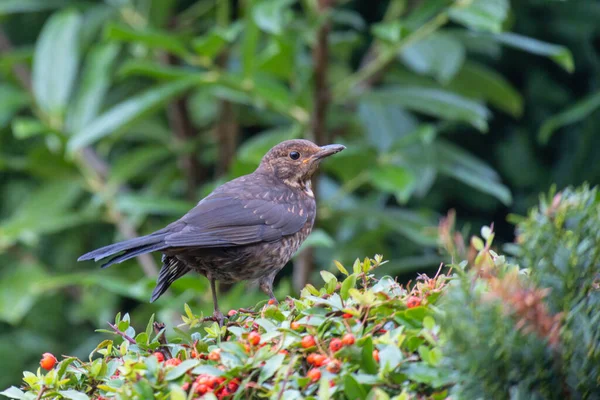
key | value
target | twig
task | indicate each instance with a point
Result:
(41, 393)
(159, 330)
(289, 373)
(121, 333)
(90, 160)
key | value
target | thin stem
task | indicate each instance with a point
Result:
(121, 333)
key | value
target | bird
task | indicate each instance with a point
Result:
(245, 230)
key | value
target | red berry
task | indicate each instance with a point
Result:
(159, 356)
(295, 325)
(201, 389)
(284, 352)
(48, 361)
(233, 385)
(348, 339)
(347, 316)
(376, 355)
(254, 338)
(334, 366)
(331, 383)
(335, 344)
(272, 301)
(215, 355)
(173, 362)
(314, 374)
(231, 313)
(308, 341)
(320, 360)
(194, 354)
(413, 301)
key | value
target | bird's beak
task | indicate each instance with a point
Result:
(326, 151)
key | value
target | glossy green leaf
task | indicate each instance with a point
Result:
(19, 6)
(485, 15)
(393, 179)
(353, 389)
(128, 111)
(439, 55)
(181, 369)
(390, 31)
(211, 43)
(571, 115)
(464, 167)
(559, 54)
(384, 123)
(349, 283)
(149, 37)
(94, 85)
(56, 61)
(144, 204)
(13, 393)
(368, 362)
(272, 15)
(73, 395)
(480, 82)
(437, 103)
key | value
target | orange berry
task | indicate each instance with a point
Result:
(347, 316)
(376, 355)
(295, 325)
(159, 356)
(334, 366)
(348, 339)
(231, 313)
(311, 358)
(254, 338)
(284, 352)
(272, 301)
(194, 354)
(173, 362)
(314, 374)
(215, 355)
(48, 361)
(308, 341)
(413, 301)
(335, 344)
(320, 360)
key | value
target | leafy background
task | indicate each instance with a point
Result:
(117, 116)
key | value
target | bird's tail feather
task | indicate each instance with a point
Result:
(132, 248)
(171, 270)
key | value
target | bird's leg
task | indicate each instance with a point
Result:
(266, 285)
(217, 314)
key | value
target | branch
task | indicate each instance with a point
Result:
(91, 160)
(121, 333)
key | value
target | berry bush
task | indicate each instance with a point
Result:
(521, 325)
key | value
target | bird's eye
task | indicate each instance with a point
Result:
(294, 155)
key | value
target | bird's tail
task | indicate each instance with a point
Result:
(130, 248)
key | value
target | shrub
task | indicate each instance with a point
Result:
(524, 326)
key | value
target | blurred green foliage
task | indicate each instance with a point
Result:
(116, 116)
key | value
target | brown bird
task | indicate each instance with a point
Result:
(246, 229)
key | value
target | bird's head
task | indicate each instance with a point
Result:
(295, 161)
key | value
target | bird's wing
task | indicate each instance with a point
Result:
(225, 220)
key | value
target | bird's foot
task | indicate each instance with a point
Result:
(218, 317)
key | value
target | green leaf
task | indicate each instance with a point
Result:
(377, 394)
(272, 365)
(94, 85)
(389, 31)
(24, 128)
(13, 393)
(181, 369)
(155, 39)
(383, 123)
(436, 103)
(340, 267)
(480, 82)
(353, 389)
(572, 114)
(12, 99)
(211, 43)
(73, 395)
(272, 15)
(136, 162)
(328, 276)
(19, 6)
(393, 179)
(145, 204)
(55, 62)
(207, 370)
(368, 362)
(461, 165)
(349, 283)
(486, 15)
(317, 238)
(177, 393)
(127, 112)
(439, 55)
(559, 54)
